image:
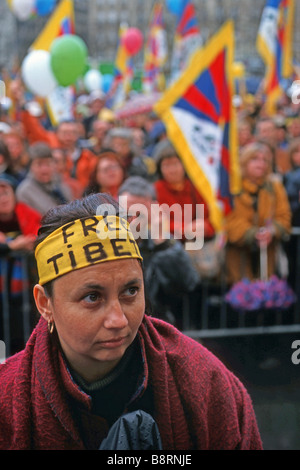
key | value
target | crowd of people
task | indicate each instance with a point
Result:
(42, 167)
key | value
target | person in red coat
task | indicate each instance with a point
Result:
(19, 223)
(97, 357)
(19, 226)
(174, 187)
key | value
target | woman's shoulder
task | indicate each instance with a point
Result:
(181, 350)
(192, 365)
(9, 370)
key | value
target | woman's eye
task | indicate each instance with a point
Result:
(91, 298)
(131, 291)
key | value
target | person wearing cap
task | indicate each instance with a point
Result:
(168, 270)
(42, 188)
(96, 356)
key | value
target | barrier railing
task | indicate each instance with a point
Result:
(24, 298)
(216, 318)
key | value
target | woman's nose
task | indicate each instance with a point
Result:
(115, 317)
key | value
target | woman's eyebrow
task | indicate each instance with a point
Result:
(92, 287)
(133, 282)
(130, 283)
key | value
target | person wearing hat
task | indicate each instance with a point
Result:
(42, 188)
(121, 140)
(96, 357)
(168, 271)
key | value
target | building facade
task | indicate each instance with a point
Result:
(98, 23)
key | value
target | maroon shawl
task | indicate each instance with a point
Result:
(199, 404)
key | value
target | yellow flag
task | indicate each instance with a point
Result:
(200, 120)
(61, 22)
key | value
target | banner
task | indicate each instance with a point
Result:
(123, 74)
(62, 21)
(156, 52)
(275, 45)
(60, 104)
(187, 38)
(199, 117)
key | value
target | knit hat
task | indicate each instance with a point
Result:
(163, 149)
(8, 180)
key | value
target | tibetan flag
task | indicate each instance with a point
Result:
(187, 38)
(156, 51)
(200, 120)
(275, 45)
(61, 22)
(123, 74)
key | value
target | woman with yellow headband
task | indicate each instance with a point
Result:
(97, 363)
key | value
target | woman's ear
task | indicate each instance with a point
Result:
(43, 302)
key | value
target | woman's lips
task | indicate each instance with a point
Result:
(113, 343)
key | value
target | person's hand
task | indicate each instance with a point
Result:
(2, 237)
(22, 242)
(264, 237)
(161, 229)
(194, 229)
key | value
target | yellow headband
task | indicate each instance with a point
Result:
(83, 243)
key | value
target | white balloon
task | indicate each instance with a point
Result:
(93, 80)
(37, 73)
(23, 8)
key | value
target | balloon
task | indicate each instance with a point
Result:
(68, 58)
(175, 6)
(23, 9)
(107, 80)
(37, 73)
(44, 7)
(132, 40)
(93, 80)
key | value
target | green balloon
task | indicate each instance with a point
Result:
(68, 58)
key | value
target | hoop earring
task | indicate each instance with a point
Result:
(50, 326)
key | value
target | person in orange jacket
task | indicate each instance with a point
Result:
(81, 161)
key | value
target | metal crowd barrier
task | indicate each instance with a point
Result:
(216, 319)
(26, 303)
(226, 322)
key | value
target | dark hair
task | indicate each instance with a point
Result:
(94, 186)
(77, 209)
(5, 152)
